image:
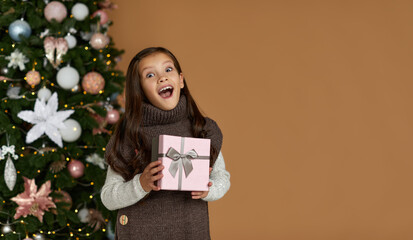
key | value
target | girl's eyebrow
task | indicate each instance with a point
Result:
(167, 61)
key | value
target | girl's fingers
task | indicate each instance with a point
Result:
(152, 165)
(154, 188)
(156, 177)
(156, 169)
(209, 184)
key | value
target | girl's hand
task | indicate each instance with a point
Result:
(150, 175)
(199, 195)
(202, 194)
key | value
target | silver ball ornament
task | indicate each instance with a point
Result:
(19, 27)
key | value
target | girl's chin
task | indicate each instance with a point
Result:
(167, 105)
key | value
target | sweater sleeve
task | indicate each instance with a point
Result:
(220, 180)
(116, 193)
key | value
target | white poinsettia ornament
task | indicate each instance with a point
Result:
(46, 120)
(17, 59)
(96, 159)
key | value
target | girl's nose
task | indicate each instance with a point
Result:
(163, 79)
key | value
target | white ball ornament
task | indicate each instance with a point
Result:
(72, 131)
(44, 93)
(67, 77)
(80, 11)
(71, 41)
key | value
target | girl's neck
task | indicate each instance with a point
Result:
(154, 116)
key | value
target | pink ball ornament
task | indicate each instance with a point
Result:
(76, 168)
(104, 18)
(33, 77)
(112, 116)
(93, 82)
(99, 41)
(55, 10)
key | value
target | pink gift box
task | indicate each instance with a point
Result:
(189, 158)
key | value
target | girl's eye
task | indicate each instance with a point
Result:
(169, 69)
(149, 75)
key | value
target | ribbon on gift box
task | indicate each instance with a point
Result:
(181, 160)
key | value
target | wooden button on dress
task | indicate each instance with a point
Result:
(123, 220)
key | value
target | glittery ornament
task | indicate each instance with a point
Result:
(10, 174)
(58, 166)
(102, 15)
(19, 27)
(55, 10)
(62, 196)
(55, 49)
(32, 201)
(99, 41)
(76, 168)
(93, 82)
(33, 77)
(112, 116)
(96, 220)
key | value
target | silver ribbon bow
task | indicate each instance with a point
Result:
(185, 158)
(8, 149)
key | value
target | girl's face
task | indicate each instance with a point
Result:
(160, 80)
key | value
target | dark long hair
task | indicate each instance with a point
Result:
(127, 131)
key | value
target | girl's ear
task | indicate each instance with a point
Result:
(181, 80)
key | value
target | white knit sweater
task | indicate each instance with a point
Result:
(116, 193)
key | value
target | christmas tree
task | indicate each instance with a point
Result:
(60, 97)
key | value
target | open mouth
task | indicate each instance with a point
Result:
(166, 92)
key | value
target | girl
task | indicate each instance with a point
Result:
(158, 102)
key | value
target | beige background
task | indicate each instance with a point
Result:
(315, 102)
